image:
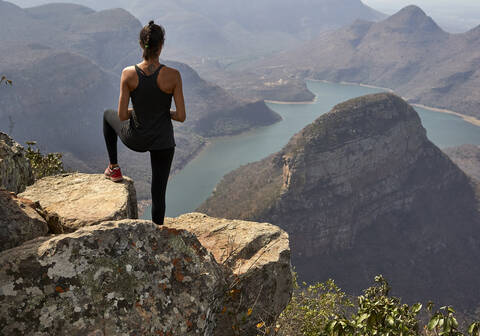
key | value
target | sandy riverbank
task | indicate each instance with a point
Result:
(470, 119)
(279, 102)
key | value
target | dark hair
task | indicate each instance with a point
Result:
(152, 37)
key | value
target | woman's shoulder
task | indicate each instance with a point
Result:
(170, 74)
(129, 69)
(170, 71)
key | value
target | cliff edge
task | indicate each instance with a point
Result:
(75, 260)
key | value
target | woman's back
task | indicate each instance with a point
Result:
(151, 122)
(151, 93)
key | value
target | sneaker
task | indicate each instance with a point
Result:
(114, 174)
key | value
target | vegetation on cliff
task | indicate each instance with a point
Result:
(43, 165)
(324, 309)
(6, 80)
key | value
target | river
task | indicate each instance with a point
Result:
(191, 186)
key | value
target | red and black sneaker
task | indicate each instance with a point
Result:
(114, 174)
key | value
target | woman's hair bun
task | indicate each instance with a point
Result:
(151, 23)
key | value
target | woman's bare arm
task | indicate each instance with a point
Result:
(179, 114)
(123, 110)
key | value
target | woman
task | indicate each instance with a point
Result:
(148, 126)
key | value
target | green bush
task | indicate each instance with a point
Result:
(377, 314)
(311, 308)
(44, 164)
(324, 310)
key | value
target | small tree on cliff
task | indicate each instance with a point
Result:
(44, 164)
(5, 80)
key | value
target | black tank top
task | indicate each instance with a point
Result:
(150, 125)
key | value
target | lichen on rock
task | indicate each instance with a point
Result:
(117, 278)
(256, 260)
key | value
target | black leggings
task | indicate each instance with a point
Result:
(161, 161)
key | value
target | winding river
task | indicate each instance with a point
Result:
(190, 187)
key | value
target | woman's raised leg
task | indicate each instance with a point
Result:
(111, 129)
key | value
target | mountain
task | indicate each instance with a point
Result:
(215, 112)
(57, 97)
(361, 191)
(237, 30)
(103, 36)
(407, 52)
(65, 61)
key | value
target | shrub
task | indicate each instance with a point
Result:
(324, 310)
(44, 164)
(6, 80)
(311, 308)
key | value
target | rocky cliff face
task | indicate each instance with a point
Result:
(15, 170)
(20, 221)
(257, 259)
(467, 157)
(112, 274)
(362, 191)
(117, 278)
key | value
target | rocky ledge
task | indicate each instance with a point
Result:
(257, 261)
(117, 278)
(94, 271)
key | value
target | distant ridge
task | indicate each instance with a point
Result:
(407, 52)
(240, 29)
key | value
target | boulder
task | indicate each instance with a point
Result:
(19, 221)
(15, 170)
(257, 260)
(72, 201)
(122, 278)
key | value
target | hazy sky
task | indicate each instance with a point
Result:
(452, 15)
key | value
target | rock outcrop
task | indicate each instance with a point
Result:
(15, 170)
(72, 201)
(126, 277)
(103, 274)
(257, 260)
(467, 157)
(19, 221)
(361, 191)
